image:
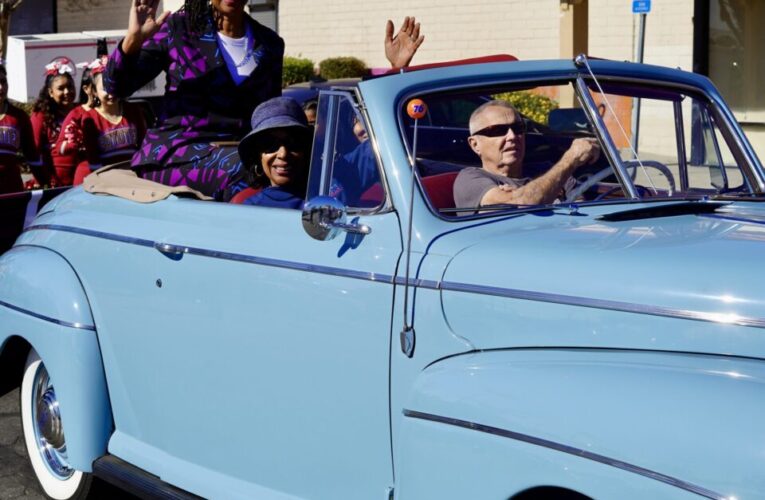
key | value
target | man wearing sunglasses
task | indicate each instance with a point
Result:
(498, 137)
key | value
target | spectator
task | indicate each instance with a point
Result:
(54, 102)
(16, 143)
(219, 64)
(110, 132)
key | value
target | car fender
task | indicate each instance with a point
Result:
(604, 423)
(42, 302)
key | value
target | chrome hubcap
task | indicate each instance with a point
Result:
(49, 419)
(49, 432)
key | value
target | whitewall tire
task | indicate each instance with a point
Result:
(44, 435)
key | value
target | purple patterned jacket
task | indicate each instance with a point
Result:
(202, 102)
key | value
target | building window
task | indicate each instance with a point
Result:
(34, 17)
(736, 62)
(266, 12)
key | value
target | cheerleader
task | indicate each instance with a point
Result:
(16, 142)
(111, 131)
(54, 102)
(70, 140)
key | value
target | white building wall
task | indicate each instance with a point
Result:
(318, 29)
(528, 29)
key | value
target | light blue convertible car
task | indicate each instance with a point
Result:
(389, 344)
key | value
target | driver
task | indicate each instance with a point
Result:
(497, 136)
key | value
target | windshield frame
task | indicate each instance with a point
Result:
(579, 82)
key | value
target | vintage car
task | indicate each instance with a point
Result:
(392, 345)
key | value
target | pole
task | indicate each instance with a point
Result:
(636, 101)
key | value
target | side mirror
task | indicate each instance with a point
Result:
(324, 217)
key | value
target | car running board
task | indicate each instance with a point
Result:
(137, 481)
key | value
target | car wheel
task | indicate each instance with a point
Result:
(44, 435)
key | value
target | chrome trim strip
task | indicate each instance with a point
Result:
(517, 436)
(733, 218)
(299, 266)
(570, 300)
(79, 326)
(91, 232)
(215, 254)
(612, 305)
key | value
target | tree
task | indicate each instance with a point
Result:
(6, 9)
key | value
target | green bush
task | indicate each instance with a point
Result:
(533, 106)
(24, 106)
(342, 67)
(296, 70)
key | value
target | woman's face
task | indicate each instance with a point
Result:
(228, 7)
(283, 157)
(103, 96)
(61, 90)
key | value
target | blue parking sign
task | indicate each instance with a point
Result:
(641, 6)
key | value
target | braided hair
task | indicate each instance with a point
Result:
(198, 13)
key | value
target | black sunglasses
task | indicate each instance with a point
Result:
(271, 143)
(518, 128)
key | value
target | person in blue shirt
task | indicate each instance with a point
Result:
(276, 154)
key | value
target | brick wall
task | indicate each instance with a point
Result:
(528, 29)
(98, 15)
(318, 29)
(92, 15)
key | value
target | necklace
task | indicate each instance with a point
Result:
(249, 47)
(247, 57)
(110, 117)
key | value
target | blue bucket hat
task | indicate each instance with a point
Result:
(278, 112)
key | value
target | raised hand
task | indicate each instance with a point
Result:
(400, 49)
(142, 24)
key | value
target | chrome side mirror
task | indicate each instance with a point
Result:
(324, 217)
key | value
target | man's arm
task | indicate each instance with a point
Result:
(545, 188)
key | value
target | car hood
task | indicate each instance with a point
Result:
(687, 282)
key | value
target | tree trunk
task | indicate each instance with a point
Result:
(5, 24)
(6, 9)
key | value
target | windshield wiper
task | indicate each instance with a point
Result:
(664, 210)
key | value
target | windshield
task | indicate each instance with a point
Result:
(486, 151)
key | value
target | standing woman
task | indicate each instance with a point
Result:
(16, 142)
(70, 139)
(54, 102)
(111, 132)
(219, 65)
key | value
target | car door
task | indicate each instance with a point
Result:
(245, 358)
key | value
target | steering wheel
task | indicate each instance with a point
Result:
(588, 181)
(665, 171)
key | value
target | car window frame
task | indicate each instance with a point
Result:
(353, 97)
(579, 82)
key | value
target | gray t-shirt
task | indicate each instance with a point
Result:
(472, 183)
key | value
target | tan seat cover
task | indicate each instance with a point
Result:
(120, 180)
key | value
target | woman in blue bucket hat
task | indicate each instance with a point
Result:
(276, 154)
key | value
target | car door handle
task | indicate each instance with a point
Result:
(170, 250)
